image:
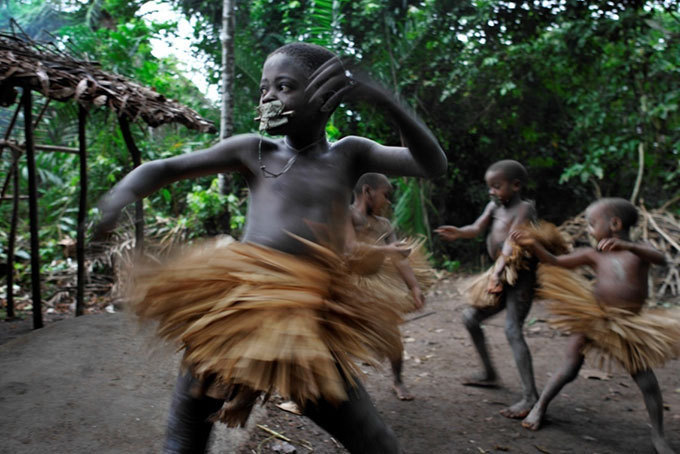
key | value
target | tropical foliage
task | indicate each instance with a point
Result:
(585, 94)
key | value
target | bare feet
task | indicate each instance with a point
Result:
(534, 419)
(660, 445)
(402, 391)
(482, 381)
(518, 410)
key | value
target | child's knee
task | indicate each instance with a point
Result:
(470, 319)
(513, 331)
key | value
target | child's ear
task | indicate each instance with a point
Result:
(616, 224)
(517, 185)
(365, 190)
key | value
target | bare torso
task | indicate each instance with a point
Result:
(621, 279)
(502, 220)
(312, 198)
(315, 191)
(370, 228)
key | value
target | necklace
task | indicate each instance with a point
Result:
(268, 174)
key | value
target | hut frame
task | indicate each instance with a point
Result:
(49, 70)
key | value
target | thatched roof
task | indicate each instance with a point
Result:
(59, 76)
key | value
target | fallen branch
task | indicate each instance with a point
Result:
(274, 433)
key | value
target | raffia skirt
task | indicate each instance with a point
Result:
(252, 317)
(475, 290)
(637, 341)
(382, 278)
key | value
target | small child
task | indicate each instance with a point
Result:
(371, 195)
(278, 311)
(505, 212)
(607, 317)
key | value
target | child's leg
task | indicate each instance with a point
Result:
(188, 428)
(398, 386)
(646, 381)
(355, 423)
(472, 320)
(568, 372)
(517, 305)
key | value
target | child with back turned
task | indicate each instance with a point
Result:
(277, 312)
(403, 271)
(608, 318)
(505, 180)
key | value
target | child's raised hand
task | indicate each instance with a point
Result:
(448, 232)
(329, 84)
(611, 244)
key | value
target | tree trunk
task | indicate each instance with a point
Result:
(227, 111)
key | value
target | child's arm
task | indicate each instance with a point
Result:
(451, 233)
(644, 251)
(579, 257)
(396, 249)
(151, 176)
(408, 276)
(423, 157)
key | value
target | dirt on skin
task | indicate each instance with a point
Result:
(89, 385)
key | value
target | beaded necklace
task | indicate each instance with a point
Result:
(268, 174)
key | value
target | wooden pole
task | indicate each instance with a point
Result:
(136, 162)
(12, 236)
(32, 208)
(13, 173)
(11, 126)
(82, 211)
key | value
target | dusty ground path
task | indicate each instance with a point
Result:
(88, 385)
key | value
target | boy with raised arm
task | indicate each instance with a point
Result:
(276, 311)
(607, 317)
(506, 210)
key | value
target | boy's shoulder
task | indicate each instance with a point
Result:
(352, 143)
(526, 208)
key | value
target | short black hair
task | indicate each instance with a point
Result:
(621, 208)
(511, 169)
(310, 56)
(373, 180)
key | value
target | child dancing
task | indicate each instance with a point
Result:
(607, 317)
(278, 311)
(490, 294)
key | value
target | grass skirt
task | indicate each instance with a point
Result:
(637, 341)
(384, 280)
(252, 317)
(475, 291)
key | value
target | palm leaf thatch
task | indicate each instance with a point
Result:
(57, 75)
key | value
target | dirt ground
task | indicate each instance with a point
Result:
(90, 385)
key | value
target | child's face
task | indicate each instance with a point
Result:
(380, 199)
(284, 80)
(599, 222)
(501, 190)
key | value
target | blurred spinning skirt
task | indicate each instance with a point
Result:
(251, 317)
(637, 341)
(381, 277)
(476, 290)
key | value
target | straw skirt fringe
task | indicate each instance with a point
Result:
(250, 316)
(386, 283)
(475, 291)
(637, 341)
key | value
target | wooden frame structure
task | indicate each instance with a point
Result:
(44, 68)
